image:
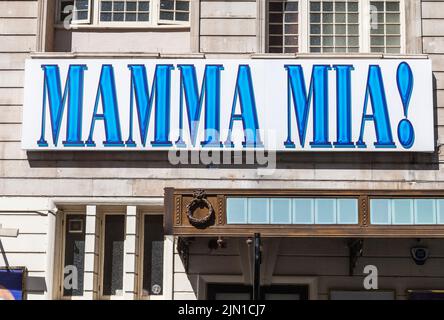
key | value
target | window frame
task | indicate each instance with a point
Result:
(102, 220)
(58, 12)
(60, 253)
(304, 26)
(168, 256)
(153, 22)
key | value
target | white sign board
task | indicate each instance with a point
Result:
(281, 105)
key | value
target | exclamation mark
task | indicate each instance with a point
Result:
(406, 134)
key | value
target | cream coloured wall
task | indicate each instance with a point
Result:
(225, 28)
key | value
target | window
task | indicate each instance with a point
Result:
(153, 255)
(276, 210)
(385, 28)
(420, 211)
(124, 12)
(113, 254)
(334, 26)
(174, 10)
(76, 11)
(74, 255)
(283, 26)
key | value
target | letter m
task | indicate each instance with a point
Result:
(297, 93)
(56, 98)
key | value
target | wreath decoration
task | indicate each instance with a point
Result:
(200, 201)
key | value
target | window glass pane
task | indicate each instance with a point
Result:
(283, 19)
(393, 29)
(303, 211)
(118, 17)
(258, 210)
(143, 17)
(340, 29)
(281, 211)
(182, 5)
(402, 211)
(105, 17)
(380, 211)
(393, 50)
(131, 6)
(325, 211)
(74, 259)
(236, 210)
(425, 211)
(119, 6)
(440, 205)
(291, 17)
(353, 41)
(327, 6)
(130, 17)
(182, 16)
(167, 4)
(327, 29)
(315, 6)
(81, 15)
(291, 40)
(393, 41)
(166, 15)
(340, 6)
(377, 6)
(113, 255)
(275, 41)
(144, 6)
(106, 6)
(315, 41)
(153, 246)
(352, 6)
(347, 211)
(81, 4)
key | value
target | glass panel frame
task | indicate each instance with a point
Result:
(311, 213)
(276, 204)
(418, 213)
(103, 254)
(76, 235)
(350, 220)
(153, 239)
(435, 211)
(397, 217)
(258, 210)
(388, 204)
(316, 17)
(235, 201)
(325, 203)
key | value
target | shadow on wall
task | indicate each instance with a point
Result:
(284, 160)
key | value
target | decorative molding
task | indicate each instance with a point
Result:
(177, 210)
(221, 210)
(363, 229)
(200, 201)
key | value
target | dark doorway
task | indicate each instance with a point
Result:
(227, 291)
